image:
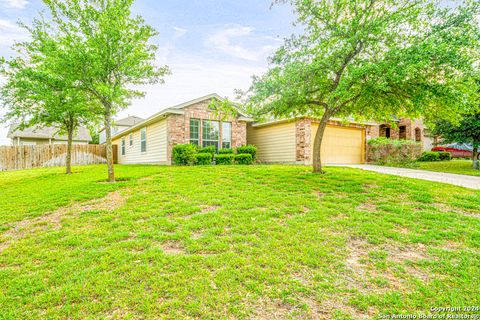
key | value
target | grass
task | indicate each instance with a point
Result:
(234, 242)
(453, 166)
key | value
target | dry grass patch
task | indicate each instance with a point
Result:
(208, 208)
(52, 221)
(272, 309)
(366, 278)
(196, 235)
(172, 248)
(367, 206)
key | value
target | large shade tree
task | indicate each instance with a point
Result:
(370, 59)
(106, 50)
(35, 95)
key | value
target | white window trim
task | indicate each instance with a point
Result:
(141, 141)
(230, 134)
(199, 140)
(130, 140)
(209, 140)
(123, 147)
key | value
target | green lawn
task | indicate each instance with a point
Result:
(453, 166)
(268, 242)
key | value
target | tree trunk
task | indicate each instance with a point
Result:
(69, 151)
(476, 164)
(317, 143)
(108, 133)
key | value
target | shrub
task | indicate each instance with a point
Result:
(226, 151)
(210, 149)
(248, 149)
(445, 155)
(429, 156)
(224, 159)
(393, 152)
(203, 159)
(184, 154)
(243, 158)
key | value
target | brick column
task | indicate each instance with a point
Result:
(175, 133)
(303, 137)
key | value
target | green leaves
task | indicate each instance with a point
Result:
(373, 59)
(104, 48)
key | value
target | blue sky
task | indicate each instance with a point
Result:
(210, 45)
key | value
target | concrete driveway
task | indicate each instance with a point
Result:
(461, 180)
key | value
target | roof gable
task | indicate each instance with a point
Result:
(177, 109)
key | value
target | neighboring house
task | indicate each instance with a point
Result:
(152, 140)
(119, 126)
(291, 141)
(37, 135)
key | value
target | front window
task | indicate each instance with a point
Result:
(402, 132)
(226, 134)
(143, 140)
(195, 132)
(210, 134)
(131, 139)
(123, 146)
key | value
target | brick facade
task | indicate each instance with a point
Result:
(405, 129)
(178, 126)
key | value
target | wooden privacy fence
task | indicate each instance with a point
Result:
(27, 157)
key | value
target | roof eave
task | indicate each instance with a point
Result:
(156, 117)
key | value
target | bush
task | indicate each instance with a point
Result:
(445, 155)
(243, 158)
(248, 149)
(429, 156)
(225, 159)
(393, 152)
(184, 154)
(203, 159)
(226, 151)
(210, 149)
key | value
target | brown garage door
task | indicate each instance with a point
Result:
(342, 145)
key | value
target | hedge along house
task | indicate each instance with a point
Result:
(152, 140)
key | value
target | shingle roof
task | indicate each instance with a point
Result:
(128, 121)
(178, 109)
(37, 132)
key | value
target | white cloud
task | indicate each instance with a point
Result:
(179, 32)
(16, 4)
(10, 32)
(193, 77)
(222, 40)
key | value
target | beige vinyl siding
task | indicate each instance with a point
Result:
(275, 143)
(341, 145)
(156, 146)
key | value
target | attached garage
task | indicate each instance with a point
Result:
(275, 143)
(341, 145)
(291, 141)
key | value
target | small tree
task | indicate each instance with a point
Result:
(370, 59)
(106, 51)
(467, 130)
(36, 96)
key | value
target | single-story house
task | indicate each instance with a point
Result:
(151, 140)
(119, 126)
(37, 135)
(344, 142)
(278, 141)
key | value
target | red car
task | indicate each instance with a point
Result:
(456, 150)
